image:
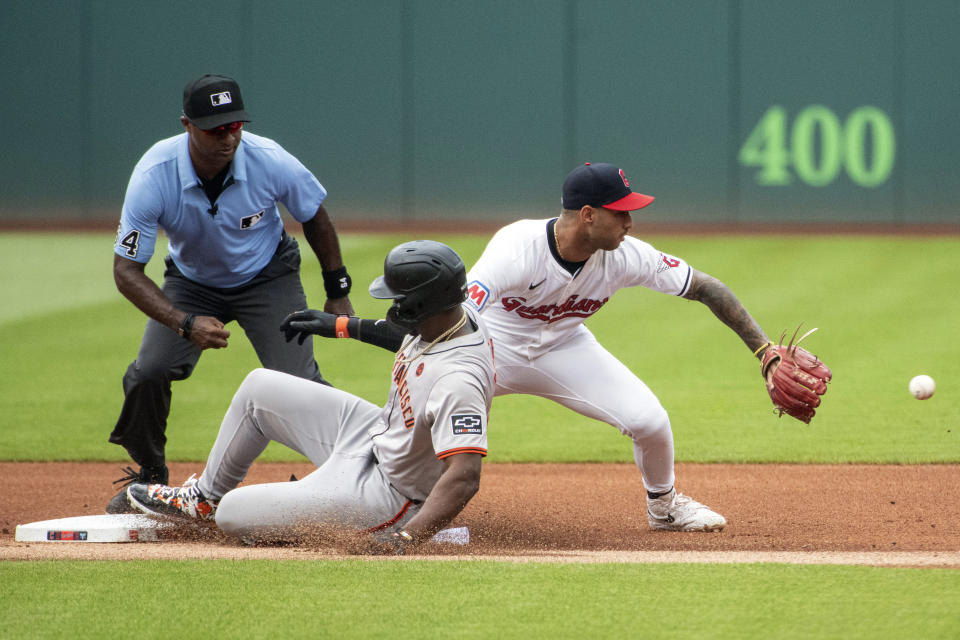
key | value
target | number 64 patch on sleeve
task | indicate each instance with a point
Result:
(467, 423)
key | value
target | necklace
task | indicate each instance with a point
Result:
(443, 336)
(556, 240)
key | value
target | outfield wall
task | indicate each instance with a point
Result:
(737, 111)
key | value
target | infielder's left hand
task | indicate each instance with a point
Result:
(795, 378)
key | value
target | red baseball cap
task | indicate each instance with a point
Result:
(601, 185)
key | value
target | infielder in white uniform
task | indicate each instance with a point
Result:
(414, 463)
(536, 283)
(539, 280)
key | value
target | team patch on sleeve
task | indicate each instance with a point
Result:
(467, 424)
(667, 262)
(477, 294)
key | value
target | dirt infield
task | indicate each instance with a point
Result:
(885, 515)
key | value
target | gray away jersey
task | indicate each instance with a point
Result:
(438, 406)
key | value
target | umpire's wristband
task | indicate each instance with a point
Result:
(186, 326)
(337, 283)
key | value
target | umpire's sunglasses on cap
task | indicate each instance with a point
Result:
(230, 127)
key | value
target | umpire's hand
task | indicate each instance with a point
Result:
(301, 324)
(338, 306)
(209, 333)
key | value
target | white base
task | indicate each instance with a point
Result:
(120, 527)
(457, 535)
(135, 527)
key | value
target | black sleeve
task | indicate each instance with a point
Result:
(377, 332)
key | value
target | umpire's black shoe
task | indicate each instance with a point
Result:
(146, 475)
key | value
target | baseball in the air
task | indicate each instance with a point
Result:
(922, 387)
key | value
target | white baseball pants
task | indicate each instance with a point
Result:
(585, 377)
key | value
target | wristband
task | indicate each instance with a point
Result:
(341, 329)
(186, 326)
(404, 535)
(337, 283)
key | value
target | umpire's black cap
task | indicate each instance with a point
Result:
(211, 101)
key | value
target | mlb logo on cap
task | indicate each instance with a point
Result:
(220, 99)
(212, 101)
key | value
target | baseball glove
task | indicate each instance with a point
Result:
(795, 377)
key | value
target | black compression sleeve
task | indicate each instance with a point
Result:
(377, 332)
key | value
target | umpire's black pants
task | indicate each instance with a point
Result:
(259, 306)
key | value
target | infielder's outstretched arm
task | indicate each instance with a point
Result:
(459, 482)
(725, 305)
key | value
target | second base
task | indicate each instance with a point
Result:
(120, 527)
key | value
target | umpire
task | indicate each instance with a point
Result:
(214, 191)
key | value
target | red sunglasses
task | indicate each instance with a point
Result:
(230, 127)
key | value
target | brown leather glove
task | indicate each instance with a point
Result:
(795, 378)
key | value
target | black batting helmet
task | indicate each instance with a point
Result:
(423, 277)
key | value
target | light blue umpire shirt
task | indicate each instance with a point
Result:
(229, 248)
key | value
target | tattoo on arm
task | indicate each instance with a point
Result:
(724, 304)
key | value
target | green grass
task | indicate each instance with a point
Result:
(473, 599)
(884, 305)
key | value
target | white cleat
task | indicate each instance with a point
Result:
(677, 512)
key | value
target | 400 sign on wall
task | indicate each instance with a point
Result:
(816, 146)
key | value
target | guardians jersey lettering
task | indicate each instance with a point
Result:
(572, 308)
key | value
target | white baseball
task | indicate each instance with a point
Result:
(922, 387)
